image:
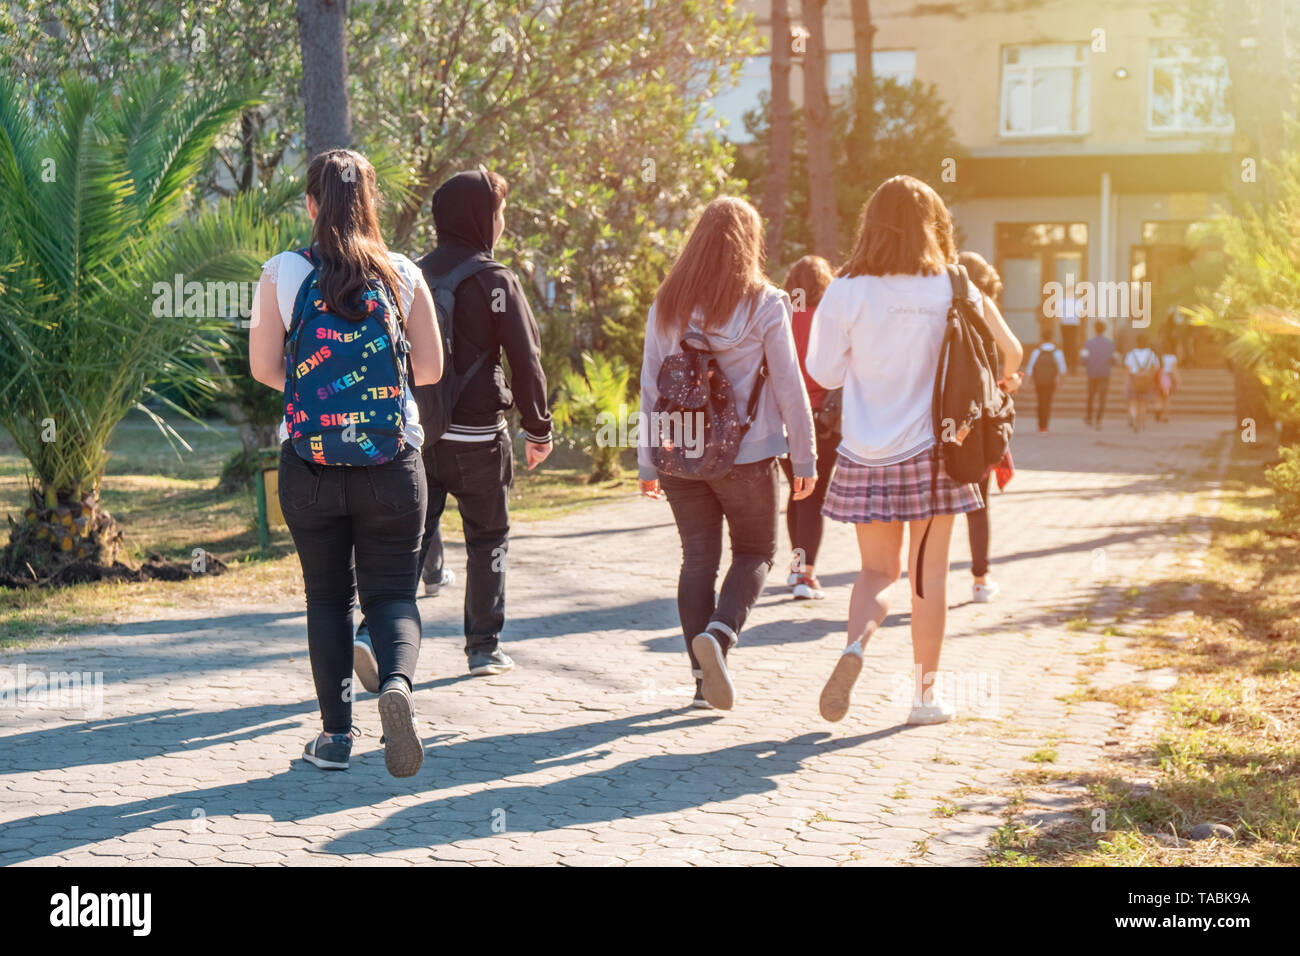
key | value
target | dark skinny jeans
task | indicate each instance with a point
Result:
(376, 513)
(977, 526)
(803, 519)
(746, 499)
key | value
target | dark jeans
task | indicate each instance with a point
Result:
(376, 513)
(746, 498)
(977, 526)
(803, 519)
(1070, 345)
(1097, 389)
(1044, 395)
(478, 475)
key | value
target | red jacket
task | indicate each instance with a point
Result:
(802, 322)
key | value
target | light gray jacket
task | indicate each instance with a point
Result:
(756, 329)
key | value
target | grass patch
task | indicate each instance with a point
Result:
(168, 501)
(1227, 749)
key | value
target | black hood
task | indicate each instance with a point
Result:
(464, 208)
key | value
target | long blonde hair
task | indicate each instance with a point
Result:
(720, 267)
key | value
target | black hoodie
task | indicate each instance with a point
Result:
(463, 211)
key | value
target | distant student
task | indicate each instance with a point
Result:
(717, 299)
(1046, 365)
(1143, 367)
(983, 587)
(805, 285)
(1071, 326)
(1099, 354)
(877, 334)
(1167, 381)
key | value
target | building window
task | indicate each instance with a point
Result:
(1187, 88)
(733, 103)
(1045, 90)
(898, 65)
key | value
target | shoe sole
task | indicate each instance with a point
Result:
(403, 751)
(925, 720)
(324, 764)
(366, 665)
(715, 682)
(488, 670)
(837, 693)
(809, 595)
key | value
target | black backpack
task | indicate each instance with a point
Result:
(695, 429)
(1045, 370)
(828, 416)
(973, 418)
(437, 402)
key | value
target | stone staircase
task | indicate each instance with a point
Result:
(1202, 393)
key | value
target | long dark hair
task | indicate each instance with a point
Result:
(345, 237)
(810, 275)
(721, 265)
(984, 276)
(905, 230)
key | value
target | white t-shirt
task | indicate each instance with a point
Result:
(879, 338)
(1168, 362)
(289, 270)
(1141, 359)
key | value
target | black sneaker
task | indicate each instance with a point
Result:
(403, 750)
(329, 751)
(364, 661)
(699, 703)
(710, 649)
(487, 663)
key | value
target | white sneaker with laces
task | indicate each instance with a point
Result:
(936, 712)
(984, 593)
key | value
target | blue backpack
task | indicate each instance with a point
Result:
(345, 381)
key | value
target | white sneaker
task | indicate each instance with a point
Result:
(431, 588)
(937, 712)
(983, 593)
(806, 589)
(792, 580)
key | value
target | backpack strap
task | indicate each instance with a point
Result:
(300, 300)
(448, 282)
(754, 396)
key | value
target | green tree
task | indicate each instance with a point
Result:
(93, 231)
(587, 411)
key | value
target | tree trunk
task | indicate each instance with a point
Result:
(322, 33)
(778, 145)
(817, 109)
(864, 96)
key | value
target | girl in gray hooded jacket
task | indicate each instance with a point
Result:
(717, 289)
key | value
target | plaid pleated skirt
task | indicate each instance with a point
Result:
(862, 494)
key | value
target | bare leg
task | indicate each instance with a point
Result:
(881, 549)
(929, 614)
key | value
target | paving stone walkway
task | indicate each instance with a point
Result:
(588, 753)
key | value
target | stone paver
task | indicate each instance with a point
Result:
(588, 755)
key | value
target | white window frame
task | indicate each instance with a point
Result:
(1217, 60)
(1083, 63)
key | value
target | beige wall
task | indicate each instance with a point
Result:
(962, 57)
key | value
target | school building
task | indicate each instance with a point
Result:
(1097, 135)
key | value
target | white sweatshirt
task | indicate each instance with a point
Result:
(879, 337)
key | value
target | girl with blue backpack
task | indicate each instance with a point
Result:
(335, 326)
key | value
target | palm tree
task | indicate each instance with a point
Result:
(95, 221)
(817, 112)
(778, 174)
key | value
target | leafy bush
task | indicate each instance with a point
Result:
(1285, 479)
(588, 409)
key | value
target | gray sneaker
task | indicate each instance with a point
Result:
(403, 750)
(486, 663)
(446, 578)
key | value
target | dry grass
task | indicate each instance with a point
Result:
(1226, 742)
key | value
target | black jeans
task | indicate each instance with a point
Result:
(977, 525)
(1097, 389)
(746, 498)
(1043, 394)
(1070, 345)
(376, 513)
(803, 519)
(478, 474)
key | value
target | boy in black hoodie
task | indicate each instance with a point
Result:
(473, 459)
